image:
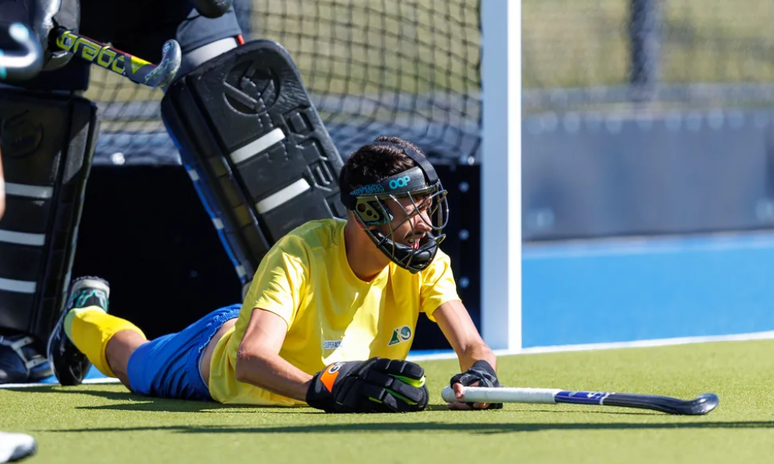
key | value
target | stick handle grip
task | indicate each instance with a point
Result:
(501, 395)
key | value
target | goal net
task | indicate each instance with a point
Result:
(391, 67)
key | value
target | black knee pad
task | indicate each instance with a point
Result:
(47, 146)
(255, 147)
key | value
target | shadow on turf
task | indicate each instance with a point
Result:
(437, 427)
(146, 403)
(133, 402)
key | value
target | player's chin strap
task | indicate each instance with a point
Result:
(367, 204)
(413, 259)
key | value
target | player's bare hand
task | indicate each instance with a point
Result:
(461, 405)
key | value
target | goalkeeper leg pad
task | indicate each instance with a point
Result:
(255, 147)
(47, 148)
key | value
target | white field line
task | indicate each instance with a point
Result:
(41, 384)
(611, 346)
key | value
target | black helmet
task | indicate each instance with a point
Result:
(421, 185)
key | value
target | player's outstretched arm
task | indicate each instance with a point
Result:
(375, 385)
(259, 363)
(477, 361)
(459, 330)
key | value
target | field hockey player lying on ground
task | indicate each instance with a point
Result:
(329, 317)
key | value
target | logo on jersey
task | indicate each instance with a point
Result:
(400, 335)
(331, 344)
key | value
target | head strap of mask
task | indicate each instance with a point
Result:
(368, 206)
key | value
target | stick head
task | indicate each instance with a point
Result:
(168, 67)
(145, 73)
(702, 404)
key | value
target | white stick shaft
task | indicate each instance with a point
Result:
(502, 395)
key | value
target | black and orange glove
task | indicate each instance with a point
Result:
(482, 374)
(376, 385)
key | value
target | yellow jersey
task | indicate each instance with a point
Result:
(331, 314)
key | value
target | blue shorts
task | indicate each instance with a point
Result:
(168, 367)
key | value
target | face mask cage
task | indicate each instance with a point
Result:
(429, 204)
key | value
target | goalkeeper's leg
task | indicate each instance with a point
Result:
(248, 134)
(254, 146)
(48, 142)
(2, 188)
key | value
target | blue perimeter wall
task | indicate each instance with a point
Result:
(627, 290)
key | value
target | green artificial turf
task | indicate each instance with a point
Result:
(106, 424)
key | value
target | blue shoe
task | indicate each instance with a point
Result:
(69, 364)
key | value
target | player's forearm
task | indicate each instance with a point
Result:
(476, 352)
(272, 373)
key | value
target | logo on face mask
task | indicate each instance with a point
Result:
(400, 335)
(399, 182)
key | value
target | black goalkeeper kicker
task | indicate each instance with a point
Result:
(702, 404)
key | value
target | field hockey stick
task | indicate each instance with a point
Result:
(25, 64)
(136, 69)
(702, 404)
